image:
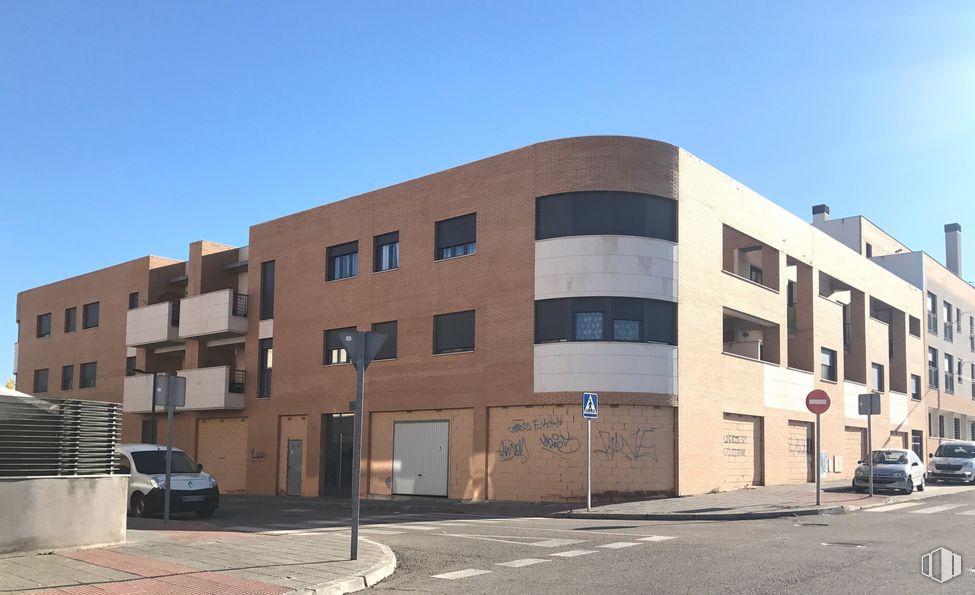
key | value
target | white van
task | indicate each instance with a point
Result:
(192, 489)
(953, 461)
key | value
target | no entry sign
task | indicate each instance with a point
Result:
(817, 401)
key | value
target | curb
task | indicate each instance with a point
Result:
(358, 581)
(691, 516)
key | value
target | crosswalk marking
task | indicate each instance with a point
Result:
(657, 538)
(379, 531)
(573, 553)
(893, 507)
(618, 545)
(460, 574)
(967, 512)
(556, 542)
(522, 562)
(935, 509)
(489, 521)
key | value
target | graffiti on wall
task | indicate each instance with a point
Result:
(539, 423)
(559, 443)
(631, 446)
(510, 449)
(731, 439)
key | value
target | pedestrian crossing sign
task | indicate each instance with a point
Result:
(590, 405)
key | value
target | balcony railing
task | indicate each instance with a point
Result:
(949, 382)
(949, 331)
(932, 322)
(174, 314)
(237, 378)
(933, 376)
(240, 304)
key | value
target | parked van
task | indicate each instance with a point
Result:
(953, 461)
(192, 490)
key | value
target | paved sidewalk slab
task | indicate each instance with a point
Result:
(200, 559)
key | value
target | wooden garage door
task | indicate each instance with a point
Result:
(801, 468)
(854, 448)
(221, 447)
(742, 451)
(898, 440)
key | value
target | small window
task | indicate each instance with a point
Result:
(70, 317)
(453, 333)
(932, 313)
(589, 326)
(88, 373)
(265, 350)
(267, 290)
(914, 324)
(334, 349)
(878, 378)
(386, 250)
(67, 377)
(755, 274)
(44, 325)
(932, 367)
(343, 261)
(456, 237)
(957, 429)
(130, 366)
(388, 350)
(133, 300)
(915, 387)
(941, 426)
(626, 330)
(869, 250)
(89, 315)
(40, 380)
(949, 373)
(828, 364)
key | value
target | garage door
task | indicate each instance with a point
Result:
(420, 457)
(221, 447)
(801, 468)
(742, 451)
(898, 440)
(854, 448)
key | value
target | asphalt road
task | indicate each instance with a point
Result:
(467, 551)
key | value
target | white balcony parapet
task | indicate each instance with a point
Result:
(152, 325)
(219, 387)
(216, 314)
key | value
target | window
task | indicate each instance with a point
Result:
(456, 237)
(388, 350)
(972, 378)
(44, 325)
(605, 319)
(828, 364)
(386, 250)
(915, 387)
(453, 333)
(67, 377)
(755, 274)
(605, 213)
(847, 328)
(89, 315)
(914, 326)
(334, 350)
(265, 351)
(869, 250)
(957, 429)
(973, 431)
(932, 313)
(148, 434)
(949, 373)
(40, 380)
(932, 367)
(343, 261)
(930, 425)
(133, 300)
(70, 316)
(130, 366)
(949, 322)
(267, 290)
(88, 372)
(941, 426)
(916, 441)
(878, 377)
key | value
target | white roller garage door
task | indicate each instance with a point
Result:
(420, 459)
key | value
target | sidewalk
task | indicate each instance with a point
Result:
(752, 503)
(195, 557)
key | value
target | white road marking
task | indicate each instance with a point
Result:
(460, 574)
(521, 563)
(418, 527)
(484, 521)
(556, 542)
(379, 531)
(517, 539)
(893, 507)
(967, 512)
(573, 553)
(618, 545)
(935, 509)
(657, 538)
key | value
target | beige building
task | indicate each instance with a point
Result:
(700, 312)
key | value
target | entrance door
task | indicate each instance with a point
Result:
(916, 446)
(336, 471)
(742, 451)
(802, 466)
(293, 482)
(420, 457)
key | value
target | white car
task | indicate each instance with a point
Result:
(953, 461)
(893, 469)
(192, 490)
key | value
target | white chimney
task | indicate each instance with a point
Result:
(820, 214)
(953, 248)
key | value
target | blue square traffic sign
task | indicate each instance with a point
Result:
(590, 405)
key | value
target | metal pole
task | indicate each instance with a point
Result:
(819, 472)
(152, 423)
(870, 449)
(589, 464)
(341, 445)
(357, 445)
(169, 454)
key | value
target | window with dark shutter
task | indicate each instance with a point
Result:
(88, 373)
(386, 252)
(334, 348)
(40, 380)
(388, 350)
(89, 315)
(605, 319)
(605, 213)
(67, 377)
(70, 316)
(456, 237)
(453, 333)
(343, 261)
(44, 325)
(267, 290)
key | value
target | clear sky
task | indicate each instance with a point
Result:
(118, 119)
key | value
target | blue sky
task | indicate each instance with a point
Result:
(116, 117)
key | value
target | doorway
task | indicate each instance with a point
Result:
(293, 478)
(336, 459)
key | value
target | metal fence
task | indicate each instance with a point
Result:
(42, 437)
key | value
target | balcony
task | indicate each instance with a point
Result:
(220, 387)
(214, 315)
(153, 326)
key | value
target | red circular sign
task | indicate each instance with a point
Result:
(817, 401)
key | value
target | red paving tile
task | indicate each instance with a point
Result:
(128, 563)
(205, 583)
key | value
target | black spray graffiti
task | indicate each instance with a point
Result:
(560, 444)
(509, 449)
(630, 446)
(528, 425)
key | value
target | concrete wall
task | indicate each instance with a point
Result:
(210, 314)
(150, 324)
(61, 512)
(610, 365)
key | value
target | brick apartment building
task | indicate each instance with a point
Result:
(701, 313)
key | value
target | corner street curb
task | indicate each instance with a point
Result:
(691, 516)
(359, 581)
